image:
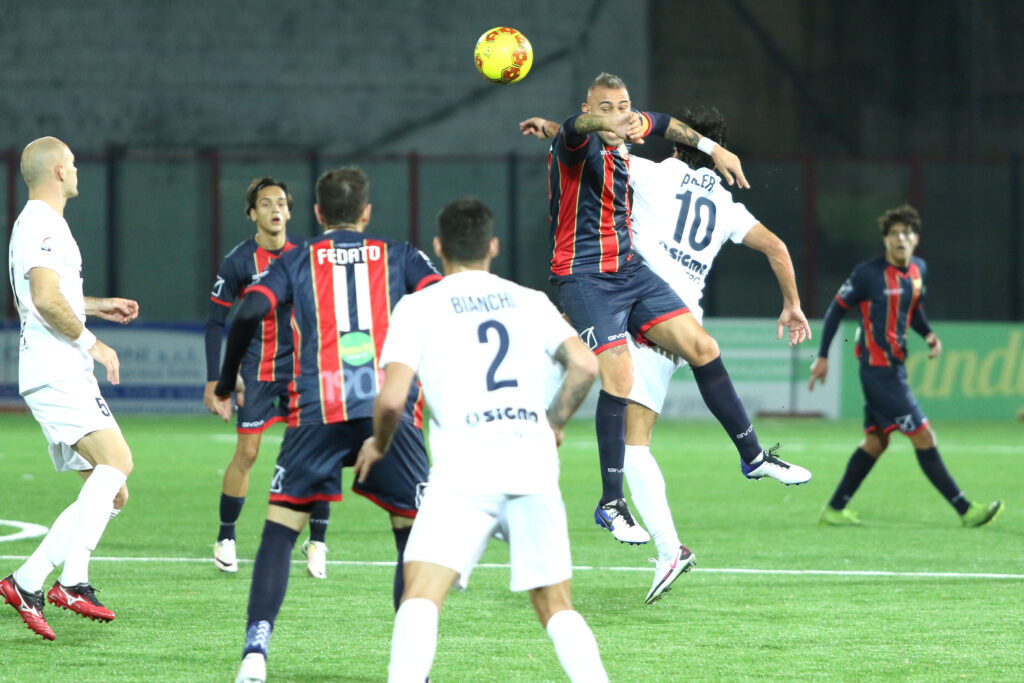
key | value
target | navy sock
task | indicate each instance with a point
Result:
(270, 577)
(935, 470)
(857, 469)
(720, 397)
(610, 421)
(230, 509)
(401, 538)
(318, 518)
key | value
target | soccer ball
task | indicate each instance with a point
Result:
(503, 55)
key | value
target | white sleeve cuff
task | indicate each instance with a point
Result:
(707, 145)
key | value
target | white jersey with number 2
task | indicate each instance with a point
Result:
(481, 345)
(681, 218)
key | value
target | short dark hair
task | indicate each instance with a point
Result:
(342, 194)
(905, 214)
(710, 123)
(258, 184)
(606, 80)
(466, 227)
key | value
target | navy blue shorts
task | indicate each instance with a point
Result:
(309, 465)
(265, 404)
(888, 402)
(605, 307)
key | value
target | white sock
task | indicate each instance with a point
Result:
(92, 512)
(413, 641)
(647, 486)
(48, 554)
(576, 647)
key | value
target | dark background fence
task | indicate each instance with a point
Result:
(154, 225)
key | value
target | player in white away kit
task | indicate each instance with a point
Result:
(682, 216)
(480, 345)
(55, 364)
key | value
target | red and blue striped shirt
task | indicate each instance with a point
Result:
(269, 356)
(342, 287)
(588, 195)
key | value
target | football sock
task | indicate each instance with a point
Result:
(257, 637)
(318, 518)
(92, 512)
(935, 470)
(49, 554)
(401, 538)
(576, 647)
(230, 509)
(647, 486)
(857, 469)
(413, 641)
(610, 422)
(720, 397)
(270, 572)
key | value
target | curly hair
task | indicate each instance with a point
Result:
(905, 214)
(710, 123)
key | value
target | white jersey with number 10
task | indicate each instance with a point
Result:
(681, 218)
(481, 345)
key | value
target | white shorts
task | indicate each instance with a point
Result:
(652, 374)
(66, 411)
(452, 530)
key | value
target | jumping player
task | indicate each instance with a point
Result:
(342, 286)
(55, 366)
(265, 372)
(480, 345)
(682, 215)
(888, 291)
(607, 292)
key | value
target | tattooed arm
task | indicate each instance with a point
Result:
(727, 163)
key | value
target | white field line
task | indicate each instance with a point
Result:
(705, 570)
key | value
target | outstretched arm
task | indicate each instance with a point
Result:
(768, 243)
(114, 309)
(539, 127)
(727, 163)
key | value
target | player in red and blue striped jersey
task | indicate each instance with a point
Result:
(888, 292)
(608, 292)
(342, 286)
(266, 367)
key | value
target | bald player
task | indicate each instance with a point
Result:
(55, 377)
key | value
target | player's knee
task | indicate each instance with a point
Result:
(923, 439)
(549, 600)
(705, 349)
(245, 456)
(121, 499)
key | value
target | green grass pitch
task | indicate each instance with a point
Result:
(910, 596)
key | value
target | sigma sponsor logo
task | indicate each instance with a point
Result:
(501, 414)
(253, 424)
(746, 433)
(685, 260)
(340, 256)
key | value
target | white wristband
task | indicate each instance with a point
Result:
(85, 340)
(707, 145)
